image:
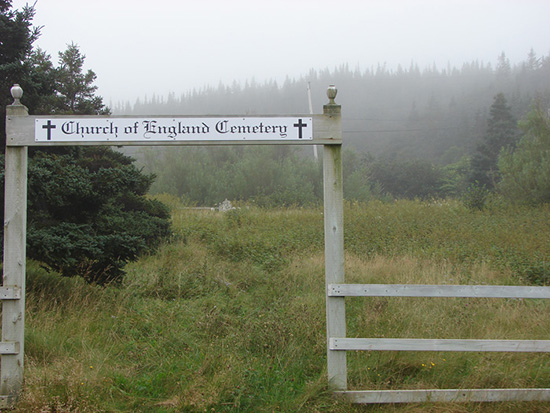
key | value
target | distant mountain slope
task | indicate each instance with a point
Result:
(398, 114)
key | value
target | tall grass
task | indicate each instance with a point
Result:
(229, 315)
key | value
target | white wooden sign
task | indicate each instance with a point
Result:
(169, 129)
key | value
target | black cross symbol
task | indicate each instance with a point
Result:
(49, 126)
(300, 125)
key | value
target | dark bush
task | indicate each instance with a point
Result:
(88, 214)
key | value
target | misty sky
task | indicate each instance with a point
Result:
(139, 47)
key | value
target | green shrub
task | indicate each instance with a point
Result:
(88, 214)
(475, 197)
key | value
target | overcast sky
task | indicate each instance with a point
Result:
(146, 47)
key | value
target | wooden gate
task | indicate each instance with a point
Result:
(23, 131)
(341, 344)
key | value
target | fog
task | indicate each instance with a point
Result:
(140, 48)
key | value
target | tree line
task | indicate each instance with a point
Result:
(510, 159)
(407, 134)
(406, 113)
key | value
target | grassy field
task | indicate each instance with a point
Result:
(229, 315)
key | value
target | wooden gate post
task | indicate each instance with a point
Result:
(13, 288)
(334, 244)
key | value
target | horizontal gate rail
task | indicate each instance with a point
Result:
(420, 290)
(418, 344)
(446, 395)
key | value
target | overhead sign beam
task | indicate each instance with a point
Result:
(172, 130)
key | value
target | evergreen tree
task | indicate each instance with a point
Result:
(504, 70)
(75, 89)
(16, 38)
(501, 132)
(533, 63)
(88, 214)
(87, 210)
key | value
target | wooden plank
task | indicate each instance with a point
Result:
(334, 255)
(14, 268)
(20, 130)
(414, 344)
(9, 348)
(446, 395)
(418, 290)
(10, 293)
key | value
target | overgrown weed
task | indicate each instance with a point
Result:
(229, 316)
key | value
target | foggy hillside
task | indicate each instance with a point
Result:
(406, 113)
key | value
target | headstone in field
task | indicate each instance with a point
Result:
(226, 206)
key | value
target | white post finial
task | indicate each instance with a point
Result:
(332, 108)
(331, 93)
(16, 93)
